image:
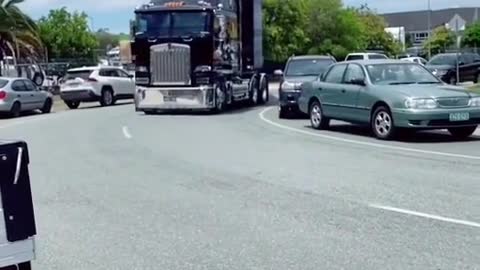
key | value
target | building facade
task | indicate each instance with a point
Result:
(420, 24)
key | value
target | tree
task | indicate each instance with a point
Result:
(18, 32)
(333, 29)
(375, 36)
(441, 39)
(67, 35)
(285, 22)
(472, 35)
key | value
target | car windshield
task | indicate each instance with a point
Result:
(443, 59)
(83, 74)
(164, 24)
(400, 74)
(307, 67)
(3, 82)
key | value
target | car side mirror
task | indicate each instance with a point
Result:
(360, 82)
(461, 63)
(278, 72)
(130, 76)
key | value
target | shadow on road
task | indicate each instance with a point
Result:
(238, 108)
(403, 135)
(97, 105)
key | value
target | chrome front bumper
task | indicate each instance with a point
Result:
(174, 98)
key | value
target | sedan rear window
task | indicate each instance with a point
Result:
(3, 83)
(355, 57)
(83, 74)
(307, 67)
(377, 56)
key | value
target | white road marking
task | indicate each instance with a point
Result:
(425, 215)
(377, 145)
(126, 132)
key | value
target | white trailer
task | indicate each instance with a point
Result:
(17, 221)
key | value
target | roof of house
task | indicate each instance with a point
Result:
(418, 20)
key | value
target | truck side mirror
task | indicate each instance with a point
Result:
(278, 72)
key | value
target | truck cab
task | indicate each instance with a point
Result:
(195, 56)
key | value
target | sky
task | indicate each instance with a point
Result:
(115, 14)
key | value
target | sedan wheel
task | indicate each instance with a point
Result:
(47, 106)
(317, 119)
(382, 124)
(15, 110)
(462, 132)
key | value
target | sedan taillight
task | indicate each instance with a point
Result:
(3, 95)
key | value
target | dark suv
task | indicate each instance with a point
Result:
(299, 69)
(444, 66)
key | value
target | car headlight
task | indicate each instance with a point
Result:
(475, 102)
(141, 69)
(439, 72)
(288, 86)
(421, 103)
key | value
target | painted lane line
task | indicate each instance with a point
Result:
(425, 215)
(126, 132)
(377, 145)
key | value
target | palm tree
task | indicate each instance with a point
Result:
(18, 32)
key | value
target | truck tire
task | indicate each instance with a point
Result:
(220, 97)
(253, 92)
(263, 91)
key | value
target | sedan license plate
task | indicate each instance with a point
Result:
(455, 117)
(169, 99)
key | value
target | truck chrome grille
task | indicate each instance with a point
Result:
(453, 102)
(170, 64)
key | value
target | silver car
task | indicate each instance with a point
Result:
(19, 94)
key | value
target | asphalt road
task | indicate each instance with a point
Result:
(115, 189)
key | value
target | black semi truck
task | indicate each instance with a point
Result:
(203, 55)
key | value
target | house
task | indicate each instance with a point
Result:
(416, 23)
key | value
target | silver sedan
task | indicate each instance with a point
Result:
(19, 94)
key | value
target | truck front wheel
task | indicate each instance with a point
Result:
(263, 91)
(220, 97)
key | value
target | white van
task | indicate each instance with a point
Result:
(365, 56)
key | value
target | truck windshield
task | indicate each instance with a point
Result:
(160, 24)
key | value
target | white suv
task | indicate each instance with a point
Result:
(104, 84)
(365, 56)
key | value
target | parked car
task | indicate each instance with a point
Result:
(99, 83)
(20, 94)
(299, 69)
(444, 66)
(418, 60)
(388, 95)
(365, 56)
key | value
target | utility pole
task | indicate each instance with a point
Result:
(429, 30)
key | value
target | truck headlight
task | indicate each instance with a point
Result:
(475, 102)
(141, 69)
(421, 103)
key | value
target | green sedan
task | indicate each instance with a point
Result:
(389, 95)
